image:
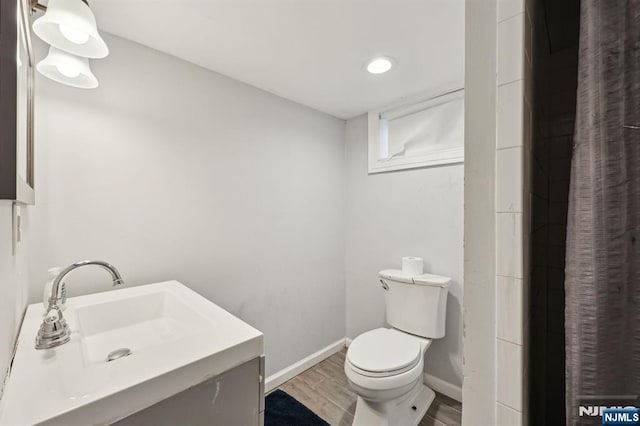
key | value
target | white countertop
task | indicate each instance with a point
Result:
(66, 385)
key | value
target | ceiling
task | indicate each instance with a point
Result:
(308, 51)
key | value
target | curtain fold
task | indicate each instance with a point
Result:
(602, 287)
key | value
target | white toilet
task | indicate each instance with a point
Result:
(385, 366)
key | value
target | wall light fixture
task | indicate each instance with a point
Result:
(69, 27)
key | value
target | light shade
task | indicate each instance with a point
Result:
(69, 25)
(67, 69)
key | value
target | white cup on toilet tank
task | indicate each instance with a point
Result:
(412, 265)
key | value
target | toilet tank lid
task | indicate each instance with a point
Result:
(422, 279)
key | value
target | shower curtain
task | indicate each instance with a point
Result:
(602, 285)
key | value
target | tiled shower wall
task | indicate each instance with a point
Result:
(554, 116)
(534, 137)
(513, 137)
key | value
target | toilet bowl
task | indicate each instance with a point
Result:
(385, 366)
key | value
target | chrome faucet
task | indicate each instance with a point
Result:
(54, 330)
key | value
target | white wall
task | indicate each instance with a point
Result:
(170, 171)
(478, 392)
(13, 283)
(407, 213)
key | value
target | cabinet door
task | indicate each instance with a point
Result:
(230, 399)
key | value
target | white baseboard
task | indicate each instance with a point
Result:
(276, 379)
(347, 341)
(445, 388)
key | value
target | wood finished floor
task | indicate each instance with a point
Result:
(325, 391)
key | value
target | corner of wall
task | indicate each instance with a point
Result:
(513, 133)
(13, 270)
(479, 386)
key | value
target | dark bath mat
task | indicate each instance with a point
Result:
(281, 409)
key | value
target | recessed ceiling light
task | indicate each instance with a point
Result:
(379, 65)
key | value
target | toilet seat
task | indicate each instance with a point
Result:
(384, 363)
(384, 352)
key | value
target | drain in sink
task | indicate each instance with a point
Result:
(118, 353)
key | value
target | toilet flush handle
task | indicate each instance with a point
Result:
(384, 285)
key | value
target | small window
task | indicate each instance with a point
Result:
(426, 132)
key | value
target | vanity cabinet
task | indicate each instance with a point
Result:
(234, 398)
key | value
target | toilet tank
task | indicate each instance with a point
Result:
(416, 304)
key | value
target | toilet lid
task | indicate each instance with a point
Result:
(384, 350)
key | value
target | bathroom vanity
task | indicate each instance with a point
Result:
(231, 398)
(154, 354)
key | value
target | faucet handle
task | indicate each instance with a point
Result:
(52, 315)
(54, 330)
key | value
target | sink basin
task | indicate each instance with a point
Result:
(163, 338)
(140, 323)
